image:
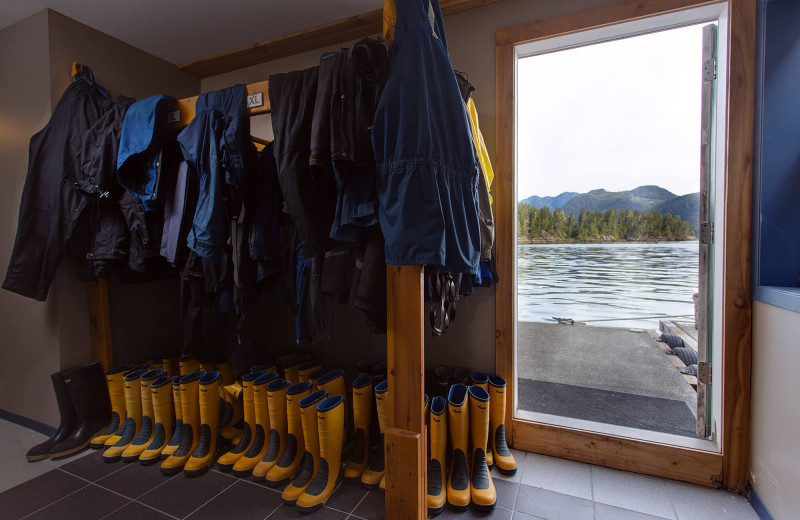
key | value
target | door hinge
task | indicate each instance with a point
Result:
(707, 233)
(704, 373)
(710, 69)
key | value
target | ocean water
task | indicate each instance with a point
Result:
(631, 284)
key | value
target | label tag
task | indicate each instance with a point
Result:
(175, 116)
(255, 100)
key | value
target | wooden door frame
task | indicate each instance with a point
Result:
(729, 467)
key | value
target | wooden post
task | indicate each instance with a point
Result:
(405, 439)
(100, 323)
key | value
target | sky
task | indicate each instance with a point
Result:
(614, 115)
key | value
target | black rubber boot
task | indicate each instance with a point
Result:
(86, 386)
(67, 413)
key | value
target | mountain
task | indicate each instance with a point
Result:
(643, 198)
(550, 202)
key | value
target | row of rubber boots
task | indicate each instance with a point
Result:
(158, 415)
(297, 433)
(475, 421)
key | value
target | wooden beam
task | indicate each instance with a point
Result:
(602, 16)
(650, 458)
(405, 439)
(505, 231)
(100, 323)
(344, 30)
(186, 106)
(736, 302)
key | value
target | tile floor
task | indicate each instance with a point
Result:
(544, 488)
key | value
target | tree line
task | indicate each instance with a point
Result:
(626, 224)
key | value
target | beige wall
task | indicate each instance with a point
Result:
(775, 427)
(29, 328)
(35, 61)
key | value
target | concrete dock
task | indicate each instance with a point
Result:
(604, 374)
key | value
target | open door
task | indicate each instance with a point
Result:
(705, 281)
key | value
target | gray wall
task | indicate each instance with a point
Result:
(36, 55)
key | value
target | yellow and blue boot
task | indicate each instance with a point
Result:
(227, 461)
(437, 452)
(233, 401)
(203, 455)
(115, 380)
(133, 416)
(266, 367)
(225, 371)
(306, 369)
(362, 412)
(458, 489)
(333, 383)
(190, 429)
(260, 443)
(316, 374)
(482, 380)
(278, 429)
(164, 414)
(310, 464)
(374, 474)
(289, 464)
(146, 432)
(188, 365)
(291, 370)
(503, 458)
(482, 490)
(171, 366)
(175, 439)
(330, 419)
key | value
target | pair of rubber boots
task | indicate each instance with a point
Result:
(475, 416)
(83, 406)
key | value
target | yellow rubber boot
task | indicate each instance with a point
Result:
(154, 363)
(482, 490)
(115, 380)
(276, 401)
(119, 433)
(313, 376)
(234, 413)
(333, 383)
(373, 475)
(482, 380)
(269, 366)
(292, 370)
(208, 367)
(170, 366)
(289, 464)
(330, 418)
(190, 429)
(146, 432)
(188, 365)
(437, 453)
(164, 413)
(362, 411)
(175, 440)
(458, 491)
(503, 458)
(203, 455)
(306, 369)
(133, 416)
(228, 460)
(226, 373)
(310, 464)
(259, 445)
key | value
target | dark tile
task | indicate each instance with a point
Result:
(285, 512)
(134, 480)
(373, 507)
(243, 501)
(91, 467)
(552, 505)
(522, 516)
(90, 503)
(36, 493)
(506, 493)
(134, 511)
(498, 513)
(182, 495)
(346, 497)
(607, 512)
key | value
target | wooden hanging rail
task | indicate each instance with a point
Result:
(257, 103)
(346, 29)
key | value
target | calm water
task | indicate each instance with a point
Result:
(601, 281)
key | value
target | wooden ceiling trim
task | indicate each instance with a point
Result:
(347, 29)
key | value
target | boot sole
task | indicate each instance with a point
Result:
(433, 511)
(33, 458)
(109, 460)
(317, 507)
(196, 472)
(226, 468)
(149, 462)
(455, 507)
(171, 471)
(130, 458)
(258, 478)
(483, 508)
(243, 473)
(68, 452)
(276, 483)
(507, 472)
